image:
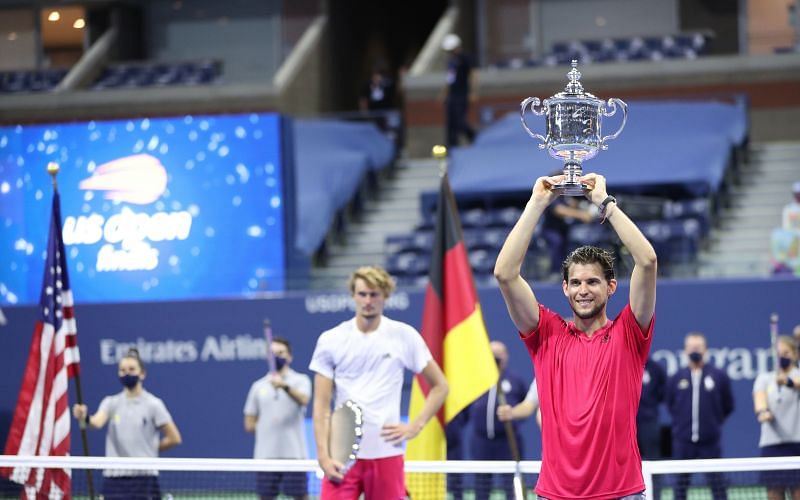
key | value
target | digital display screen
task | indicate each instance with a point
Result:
(152, 209)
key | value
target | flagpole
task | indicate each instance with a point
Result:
(440, 153)
(53, 169)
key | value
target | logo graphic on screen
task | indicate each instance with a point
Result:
(138, 179)
(153, 208)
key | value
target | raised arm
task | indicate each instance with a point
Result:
(643, 278)
(323, 389)
(519, 297)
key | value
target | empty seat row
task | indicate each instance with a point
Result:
(30, 80)
(158, 74)
(674, 227)
(655, 48)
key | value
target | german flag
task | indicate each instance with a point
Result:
(453, 329)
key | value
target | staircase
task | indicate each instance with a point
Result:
(395, 209)
(740, 245)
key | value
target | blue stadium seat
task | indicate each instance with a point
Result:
(159, 74)
(475, 217)
(504, 217)
(482, 261)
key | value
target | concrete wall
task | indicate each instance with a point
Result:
(18, 39)
(245, 34)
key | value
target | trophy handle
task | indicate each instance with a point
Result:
(534, 103)
(610, 109)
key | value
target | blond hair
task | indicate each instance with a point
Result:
(788, 342)
(374, 277)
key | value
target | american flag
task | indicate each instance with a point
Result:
(41, 423)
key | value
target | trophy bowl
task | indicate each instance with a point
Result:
(573, 120)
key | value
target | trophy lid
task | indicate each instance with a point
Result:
(574, 87)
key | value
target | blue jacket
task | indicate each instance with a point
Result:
(515, 389)
(715, 404)
(654, 386)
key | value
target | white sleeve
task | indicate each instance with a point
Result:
(250, 406)
(161, 415)
(304, 385)
(106, 405)
(762, 381)
(417, 353)
(322, 359)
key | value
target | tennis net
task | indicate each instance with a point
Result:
(195, 478)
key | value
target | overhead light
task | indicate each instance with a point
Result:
(54, 16)
(79, 23)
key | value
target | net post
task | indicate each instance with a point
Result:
(649, 494)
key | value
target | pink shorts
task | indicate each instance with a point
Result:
(377, 478)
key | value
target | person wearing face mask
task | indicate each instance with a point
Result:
(699, 399)
(275, 411)
(776, 400)
(139, 425)
(487, 438)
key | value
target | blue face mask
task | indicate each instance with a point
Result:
(784, 363)
(696, 357)
(280, 363)
(129, 381)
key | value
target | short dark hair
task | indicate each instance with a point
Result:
(590, 255)
(283, 341)
(133, 354)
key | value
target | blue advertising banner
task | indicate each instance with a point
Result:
(154, 209)
(202, 356)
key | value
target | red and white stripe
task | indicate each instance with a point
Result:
(41, 424)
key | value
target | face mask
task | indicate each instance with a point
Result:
(696, 357)
(497, 361)
(785, 363)
(129, 381)
(280, 363)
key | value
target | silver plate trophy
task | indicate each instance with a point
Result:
(345, 433)
(573, 119)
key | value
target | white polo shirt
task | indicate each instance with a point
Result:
(368, 369)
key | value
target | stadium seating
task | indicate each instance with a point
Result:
(30, 80)
(631, 49)
(149, 74)
(670, 168)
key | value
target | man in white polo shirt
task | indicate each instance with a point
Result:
(362, 360)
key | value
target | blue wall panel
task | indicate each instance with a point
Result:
(204, 355)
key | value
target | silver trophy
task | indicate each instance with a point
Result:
(573, 120)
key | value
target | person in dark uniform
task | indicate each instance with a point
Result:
(379, 93)
(699, 398)
(460, 90)
(654, 386)
(488, 439)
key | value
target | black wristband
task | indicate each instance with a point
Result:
(86, 418)
(789, 382)
(604, 203)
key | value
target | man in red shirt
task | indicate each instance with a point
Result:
(588, 370)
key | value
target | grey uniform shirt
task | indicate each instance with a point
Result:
(280, 425)
(133, 427)
(784, 404)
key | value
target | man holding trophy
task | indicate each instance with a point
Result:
(588, 370)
